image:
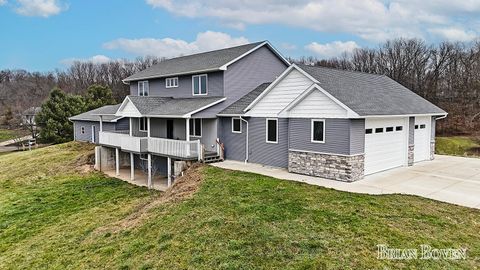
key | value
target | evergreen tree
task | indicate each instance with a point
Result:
(98, 96)
(53, 118)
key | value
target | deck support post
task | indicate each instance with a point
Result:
(187, 129)
(148, 127)
(117, 162)
(149, 183)
(169, 171)
(130, 122)
(132, 167)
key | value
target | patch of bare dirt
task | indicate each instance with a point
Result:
(183, 188)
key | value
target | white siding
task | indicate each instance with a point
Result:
(129, 110)
(422, 138)
(281, 95)
(317, 104)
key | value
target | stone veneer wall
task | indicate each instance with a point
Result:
(330, 166)
(411, 154)
(432, 150)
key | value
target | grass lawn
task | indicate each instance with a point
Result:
(7, 134)
(54, 215)
(458, 146)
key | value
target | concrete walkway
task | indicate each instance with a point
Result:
(449, 179)
(24, 138)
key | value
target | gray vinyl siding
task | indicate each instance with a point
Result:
(357, 136)
(122, 124)
(234, 143)
(135, 128)
(245, 75)
(337, 136)
(184, 89)
(87, 136)
(272, 154)
(411, 131)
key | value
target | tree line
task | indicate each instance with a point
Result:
(447, 74)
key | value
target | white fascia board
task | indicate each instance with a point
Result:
(403, 115)
(230, 115)
(313, 87)
(277, 81)
(275, 51)
(188, 115)
(172, 75)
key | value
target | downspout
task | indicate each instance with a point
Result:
(246, 141)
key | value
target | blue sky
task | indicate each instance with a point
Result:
(42, 35)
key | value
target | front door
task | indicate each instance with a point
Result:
(169, 129)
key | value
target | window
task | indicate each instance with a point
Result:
(422, 126)
(416, 126)
(199, 84)
(379, 130)
(236, 125)
(368, 131)
(82, 130)
(398, 128)
(196, 127)
(272, 131)
(389, 129)
(318, 131)
(143, 125)
(171, 82)
(143, 88)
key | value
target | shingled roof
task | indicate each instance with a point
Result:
(93, 115)
(238, 106)
(195, 63)
(370, 94)
(167, 106)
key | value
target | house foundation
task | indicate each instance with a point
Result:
(329, 166)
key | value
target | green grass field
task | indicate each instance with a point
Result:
(458, 146)
(6, 134)
(54, 215)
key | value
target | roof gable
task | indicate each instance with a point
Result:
(201, 62)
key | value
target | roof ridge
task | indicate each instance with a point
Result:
(218, 50)
(343, 70)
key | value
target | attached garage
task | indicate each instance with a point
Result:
(421, 139)
(385, 144)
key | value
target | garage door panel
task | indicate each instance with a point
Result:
(385, 150)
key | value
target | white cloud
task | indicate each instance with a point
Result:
(3, 2)
(39, 8)
(168, 47)
(331, 49)
(96, 59)
(454, 34)
(373, 20)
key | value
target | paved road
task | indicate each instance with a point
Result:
(448, 179)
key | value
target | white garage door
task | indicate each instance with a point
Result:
(385, 144)
(422, 139)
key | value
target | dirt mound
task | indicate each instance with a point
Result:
(183, 188)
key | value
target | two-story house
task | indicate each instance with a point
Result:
(248, 103)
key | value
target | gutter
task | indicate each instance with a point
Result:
(246, 141)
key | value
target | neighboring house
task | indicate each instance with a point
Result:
(28, 116)
(323, 122)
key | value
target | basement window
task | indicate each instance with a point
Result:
(236, 125)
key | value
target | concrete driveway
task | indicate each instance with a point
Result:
(448, 179)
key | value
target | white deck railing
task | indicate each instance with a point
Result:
(168, 147)
(176, 148)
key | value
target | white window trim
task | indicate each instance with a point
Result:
(266, 130)
(199, 85)
(172, 79)
(311, 130)
(143, 88)
(82, 130)
(192, 127)
(146, 124)
(234, 131)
